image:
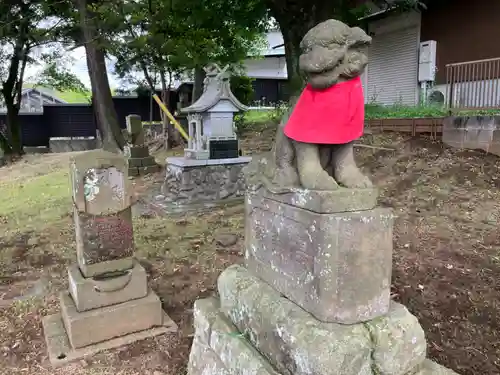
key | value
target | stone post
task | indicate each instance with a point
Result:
(137, 153)
(190, 133)
(108, 303)
(198, 134)
(135, 129)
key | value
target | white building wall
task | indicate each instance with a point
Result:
(266, 67)
(475, 94)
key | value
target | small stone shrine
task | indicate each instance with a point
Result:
(108, 303)
(137, 153)
(210, 173)
(210, 119)
(314, 295)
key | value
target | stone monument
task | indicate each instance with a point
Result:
(210, 172)
(314, 297)
(108, 303)
(137, 153)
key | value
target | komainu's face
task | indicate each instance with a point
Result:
(332, 52)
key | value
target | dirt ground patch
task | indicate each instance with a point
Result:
(446, 259)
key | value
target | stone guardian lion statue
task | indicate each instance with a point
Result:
(314, 141)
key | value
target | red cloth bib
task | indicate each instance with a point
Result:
(331, 116)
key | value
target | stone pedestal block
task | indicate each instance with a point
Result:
(97, 325)
(253, 328)
(337, 266)
(90, 293)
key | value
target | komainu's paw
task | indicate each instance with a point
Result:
(317, 179)
(352, 177)
(286, 177)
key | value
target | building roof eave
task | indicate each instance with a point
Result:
(212, 96)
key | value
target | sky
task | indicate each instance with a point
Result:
(80, 68)
(77, 64)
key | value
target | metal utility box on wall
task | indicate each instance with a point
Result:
(427, 61)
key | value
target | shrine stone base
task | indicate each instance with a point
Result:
(254, 329)
(201, 184)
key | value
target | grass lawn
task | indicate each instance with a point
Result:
(445, 269)
(74, 96)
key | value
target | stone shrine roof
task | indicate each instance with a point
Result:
(217, 88)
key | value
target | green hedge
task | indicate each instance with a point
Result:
(242, 88)
(257, 119)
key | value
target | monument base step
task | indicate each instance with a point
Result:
(105, 323)
(254, 329)
(141, 162)
(61, 352)
(89, 294)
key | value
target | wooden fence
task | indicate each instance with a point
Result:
(413, 126)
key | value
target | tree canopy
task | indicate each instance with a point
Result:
(28, 33)
(159, 38)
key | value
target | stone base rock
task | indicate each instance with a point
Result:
(36, 149)
(70, 144)
(197, 182)
(253, 329)
(473, 132)
(337, 266)
(220, 349)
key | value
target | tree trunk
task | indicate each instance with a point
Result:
(107, 119)
(14, 145)
(296, 80)
(294, 21)
(4, 145)
(11, 91)
(199, 77)
(13, 128)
